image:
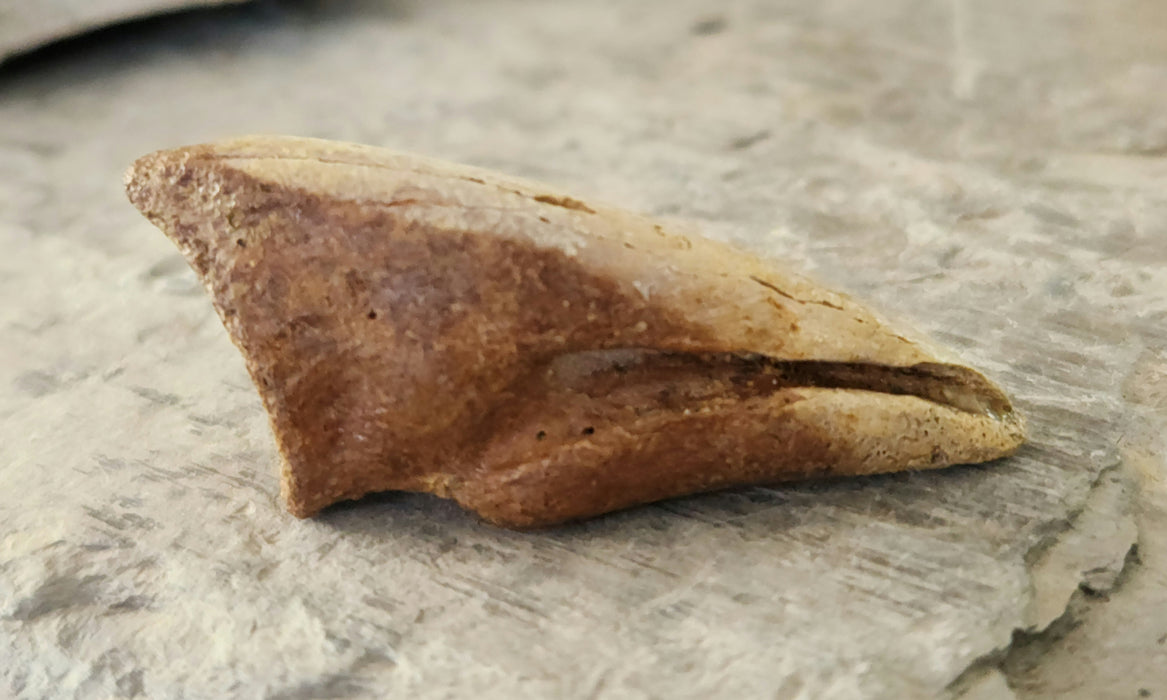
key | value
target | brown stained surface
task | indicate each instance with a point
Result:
(385, 339)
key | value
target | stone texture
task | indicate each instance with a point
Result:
(1114, 645)
(991, 171)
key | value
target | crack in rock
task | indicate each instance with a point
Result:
(1089, 557)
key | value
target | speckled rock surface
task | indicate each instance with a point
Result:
(990, 172)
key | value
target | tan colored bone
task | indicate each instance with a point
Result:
(417, 325)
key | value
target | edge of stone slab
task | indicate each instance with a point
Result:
(1091, 556)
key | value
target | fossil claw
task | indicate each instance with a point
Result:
(418, 325)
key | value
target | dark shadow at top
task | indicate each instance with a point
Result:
(195, 30)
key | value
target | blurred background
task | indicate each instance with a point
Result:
(995, 172)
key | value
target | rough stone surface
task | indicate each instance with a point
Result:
(1115, 645)
(992, 171)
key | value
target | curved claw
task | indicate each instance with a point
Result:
(417, 325)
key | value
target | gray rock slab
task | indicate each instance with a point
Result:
(990, 172)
